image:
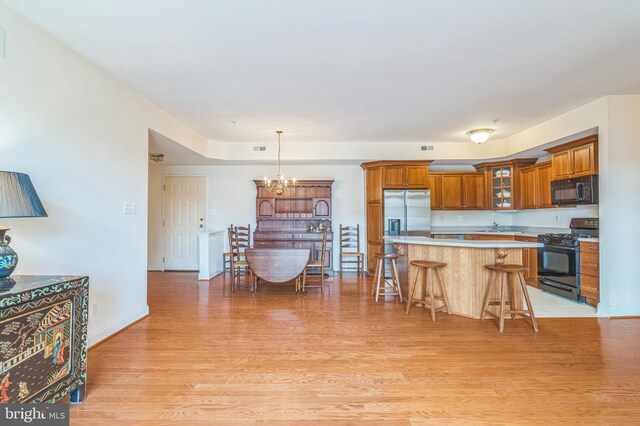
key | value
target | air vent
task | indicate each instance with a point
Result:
(427, 148)
(259, 148)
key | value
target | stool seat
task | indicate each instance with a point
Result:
(507, 274)
(386, 256)
(509, 268)
(428, 299)
(427, 264)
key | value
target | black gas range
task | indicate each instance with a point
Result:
(559, 259)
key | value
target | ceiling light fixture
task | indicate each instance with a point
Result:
(279, 184)
(479, 135)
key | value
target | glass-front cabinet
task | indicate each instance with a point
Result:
(502, 188)
(502, 182)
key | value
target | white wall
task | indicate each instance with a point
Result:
(82, 136)
(620, 207)
(232, 194)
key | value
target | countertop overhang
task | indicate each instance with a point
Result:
(450, 242)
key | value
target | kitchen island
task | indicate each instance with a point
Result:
(465, 276)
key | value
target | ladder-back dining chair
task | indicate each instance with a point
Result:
(316, 264)
(350, 248)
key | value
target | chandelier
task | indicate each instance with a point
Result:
(279, 184)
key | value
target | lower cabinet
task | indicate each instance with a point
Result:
(43, 339)
(590, 272)
(530, 261)
(372, 249)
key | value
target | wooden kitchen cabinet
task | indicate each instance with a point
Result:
(473, 191)
(502, 178)
(590, 272)
(375, 226)
(544, 185)
(374, 185)
(530, 261)
(381, 175)
(529, 188)
(457, 191)
(535, 187)
(405, 176)
(451, 191)
(435, 187)
(573, 159)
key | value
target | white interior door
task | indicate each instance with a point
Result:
(184, 213)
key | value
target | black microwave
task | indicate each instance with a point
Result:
(575, 191)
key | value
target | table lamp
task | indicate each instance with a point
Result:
(18, 198)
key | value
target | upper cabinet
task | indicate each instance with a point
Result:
(502, 182)
(457, 191)
(573, 159)
(374, 184)
(435, 187)
(535, 187)
(405, 176)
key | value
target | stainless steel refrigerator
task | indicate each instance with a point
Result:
(406, 212)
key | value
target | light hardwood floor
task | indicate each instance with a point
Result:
(207, 356)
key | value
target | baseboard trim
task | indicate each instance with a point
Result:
(155, 268)
(107, 331)
(618, 311)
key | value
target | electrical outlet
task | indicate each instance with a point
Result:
(460, 218)
(557, 218)
(212, 212)
(94, 309)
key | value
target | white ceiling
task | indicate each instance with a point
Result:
(356, 70)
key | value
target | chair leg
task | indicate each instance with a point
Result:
(525, 292)
(412, 290)
(444, 290)
(432, 295)
(502, 301)
(322, 279)
(487, 293)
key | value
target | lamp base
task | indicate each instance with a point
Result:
(8, 257)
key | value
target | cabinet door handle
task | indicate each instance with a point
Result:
(593, 265)
(593, 247)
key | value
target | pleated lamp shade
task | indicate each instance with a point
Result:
(18, 197)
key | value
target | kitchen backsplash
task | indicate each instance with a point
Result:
(549, 218)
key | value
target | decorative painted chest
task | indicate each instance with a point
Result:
(43, 339)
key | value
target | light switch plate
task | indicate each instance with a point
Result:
(130, 208)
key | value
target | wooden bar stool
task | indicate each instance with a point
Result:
(379, 276)
(428, 300)
(506, 273)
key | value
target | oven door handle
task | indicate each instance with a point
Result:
(559, 247)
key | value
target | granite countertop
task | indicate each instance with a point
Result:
(589, 240)
(483, 232)
(462, 243)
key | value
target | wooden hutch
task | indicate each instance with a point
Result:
(284, 220)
